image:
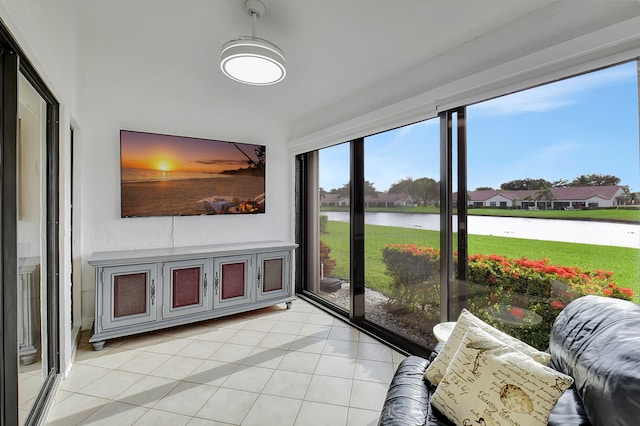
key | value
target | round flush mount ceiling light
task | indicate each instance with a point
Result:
(252, 60)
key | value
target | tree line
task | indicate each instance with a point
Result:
(427, 190)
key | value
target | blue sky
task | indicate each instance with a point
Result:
(582, 125)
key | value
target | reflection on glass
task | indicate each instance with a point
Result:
(553, 175)
(31, 246)
(333, 226)
(402, 231)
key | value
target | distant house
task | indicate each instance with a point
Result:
(333, 200)
(570, 197)
(387, 200)
(382, 199)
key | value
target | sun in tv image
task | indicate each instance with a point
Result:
(163, 175)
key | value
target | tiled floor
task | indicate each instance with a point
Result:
(269, 367)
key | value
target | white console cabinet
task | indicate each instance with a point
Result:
(144, 290)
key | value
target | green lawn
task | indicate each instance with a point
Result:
(624, 262)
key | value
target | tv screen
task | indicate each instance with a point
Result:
(164, 175)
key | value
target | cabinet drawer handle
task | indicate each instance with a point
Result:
(215, 284)
(153, 291)
(259, 277)
(205, 285)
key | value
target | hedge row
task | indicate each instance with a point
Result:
(521, 296)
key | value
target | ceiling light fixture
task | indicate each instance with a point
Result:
(252, 60)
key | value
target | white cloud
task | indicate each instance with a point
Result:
(555, 95)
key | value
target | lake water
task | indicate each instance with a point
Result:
(571, 231)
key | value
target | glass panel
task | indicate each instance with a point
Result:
(553, 210)
(31, 245)
(129, 294)
(402, 230)
(272, 279)
(186, 287)
(333, 219)
(232, 280)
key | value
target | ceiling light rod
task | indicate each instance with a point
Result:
(252, 60)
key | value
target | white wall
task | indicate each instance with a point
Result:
(129, 83)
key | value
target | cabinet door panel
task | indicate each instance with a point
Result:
(273, 274)
(128, 295)
(233, 275)
(186, 284)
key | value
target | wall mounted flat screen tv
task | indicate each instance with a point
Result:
(164, 175)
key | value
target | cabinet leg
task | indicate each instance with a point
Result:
(98, 346)
(288, 305)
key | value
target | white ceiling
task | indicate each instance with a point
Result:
(364, 53)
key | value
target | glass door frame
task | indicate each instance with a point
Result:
(13, 62)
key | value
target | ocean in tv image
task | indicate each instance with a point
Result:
(163, 175)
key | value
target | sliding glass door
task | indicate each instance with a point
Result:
(29, 240)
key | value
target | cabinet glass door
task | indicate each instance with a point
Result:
(273, 274)
(131, 295)
(231, 281)
(188, 287)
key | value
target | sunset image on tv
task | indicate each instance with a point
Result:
(163, 175)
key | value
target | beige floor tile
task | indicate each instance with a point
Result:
(295, 316)
(186, 398)
(112, 384)
(359, 417)
(300, 362)
(144, 362)
(162, 418)
(228, 405)
(213, 373)
(397, 357)
(217, 335)
(315, 330)
(336, 366)
(375, 352)
(169, 346)
(277, 341)
(142, 341)
(264, 357)
(200, 349)
(231, 352)
(115, 413)
(288, 384)
(195, 421)
(301, 306)
(74, 409)
(147, 391)
(368, 395)
(374, 371)
(308, 344)
(176, 367)
(247, 337)
(247, 378)
(343, 348)
(81, 376)
(318, 414)
(329, 390)
(344, 333)
(321, 318)
(272, 410)
(286, 327)
(260, 324)
(111, 358)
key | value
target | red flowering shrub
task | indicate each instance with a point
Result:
(521, 296)
(327, 263)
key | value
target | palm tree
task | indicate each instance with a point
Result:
(545, 194)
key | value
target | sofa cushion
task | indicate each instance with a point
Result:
(438, 367)
(488, 381)
(596, 340)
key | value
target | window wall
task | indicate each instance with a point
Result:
(511, 208)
